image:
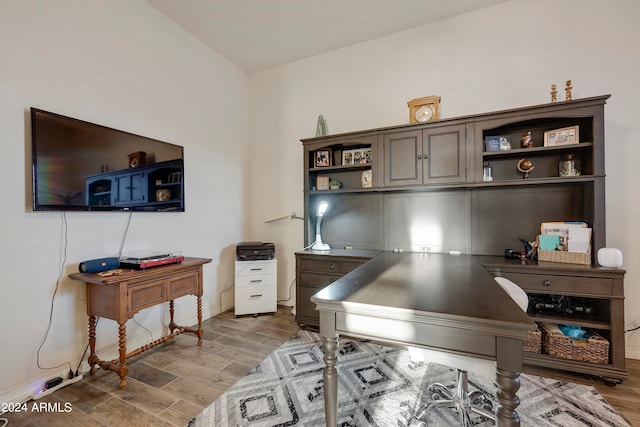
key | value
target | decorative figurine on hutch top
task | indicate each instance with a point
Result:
(567, 91)
(554, 93)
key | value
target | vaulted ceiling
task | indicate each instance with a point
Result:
(260, 34)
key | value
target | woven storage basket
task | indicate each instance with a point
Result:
(533, 342)
(594, 349)
(566, 257)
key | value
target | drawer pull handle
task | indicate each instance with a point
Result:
(256, 269)
(256, 281)
(331, 280)
(547, 282)
(256, 295)
(332, 266)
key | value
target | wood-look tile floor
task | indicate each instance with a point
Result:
(172, 383)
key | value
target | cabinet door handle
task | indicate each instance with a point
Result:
(256, 295)
(256, 269)
(547, 282)
(256, 281)
(332, 266)
(419, 156)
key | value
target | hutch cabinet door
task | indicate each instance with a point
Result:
(130, 187)
(403, 158)
(444, 155)
(431, 156)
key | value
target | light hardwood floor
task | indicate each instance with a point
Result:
(172, 383)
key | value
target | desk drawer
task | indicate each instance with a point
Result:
(317, 280)
(256, 267)
(328, 266)
(255, 300)
(183, 285)
(552, 284)
(256, 281)
(146, 295)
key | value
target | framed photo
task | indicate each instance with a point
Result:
(367, 179)
(174, 177)
(322, 158)
(347, 157)
(357, 156)
(563, 136)
(492, 143)
(322, 182)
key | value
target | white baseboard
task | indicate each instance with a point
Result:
(632, 351)
(22, 392)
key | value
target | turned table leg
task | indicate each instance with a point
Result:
(509, 384)
(122, 370)
(330, 377)
(200, 331)
(172, 324)
(92, 345)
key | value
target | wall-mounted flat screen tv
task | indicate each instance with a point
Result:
(82, 166)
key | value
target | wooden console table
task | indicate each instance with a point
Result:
(120, 296)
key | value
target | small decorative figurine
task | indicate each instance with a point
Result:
(525, 166)
(526, 141)
(567, 91)
(554, 93)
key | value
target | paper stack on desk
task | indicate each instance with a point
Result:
(565, 236)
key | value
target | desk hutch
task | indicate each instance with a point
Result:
(427, 194)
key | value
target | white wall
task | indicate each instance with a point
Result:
(500, 57)
(123, 64)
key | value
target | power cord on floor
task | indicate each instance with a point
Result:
(63, 261)
(290, 288)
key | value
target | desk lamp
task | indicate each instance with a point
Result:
(318, 245)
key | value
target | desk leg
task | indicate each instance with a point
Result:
(172, 324)
(200, 331)
(92, 360)
(123, 370)
(330, 377)
(509, 366)
(509, 384)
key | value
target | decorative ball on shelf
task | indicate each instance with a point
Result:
(163, 195)
(525, 166)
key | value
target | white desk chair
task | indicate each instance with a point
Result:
(462, 401)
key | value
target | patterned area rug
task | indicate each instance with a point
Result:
(381, 386)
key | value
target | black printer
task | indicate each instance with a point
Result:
(255, 251)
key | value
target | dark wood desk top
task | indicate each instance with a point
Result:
(448, 288)
(130, 275)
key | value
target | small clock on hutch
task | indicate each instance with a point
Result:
(137, 159)
(424, 109)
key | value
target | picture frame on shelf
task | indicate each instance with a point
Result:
(322, 158)
(174, 177)
(322, 183)
(367, 179)
(356, 156)
(492, 143)
(347, 157)
(563, 136)
(497, 143)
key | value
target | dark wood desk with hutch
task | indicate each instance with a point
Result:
(428, 195)
(119, 297)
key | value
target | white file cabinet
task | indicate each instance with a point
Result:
(256, 287)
